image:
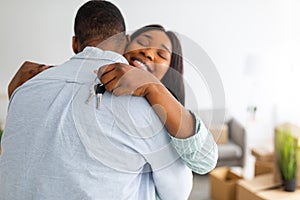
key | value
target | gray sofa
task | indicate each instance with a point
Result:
(232, 153)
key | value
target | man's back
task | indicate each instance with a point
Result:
(56, 146)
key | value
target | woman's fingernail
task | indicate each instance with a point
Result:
(41, 66)
(46, 66)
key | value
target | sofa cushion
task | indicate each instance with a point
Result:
(229, 151)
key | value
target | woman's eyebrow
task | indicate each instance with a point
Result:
(148, 36)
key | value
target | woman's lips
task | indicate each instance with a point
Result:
(139, 64)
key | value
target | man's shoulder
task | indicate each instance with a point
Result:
(135, 115)
(132, 105)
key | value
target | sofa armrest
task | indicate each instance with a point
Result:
(237, 134)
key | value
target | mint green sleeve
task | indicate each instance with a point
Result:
(199, 152)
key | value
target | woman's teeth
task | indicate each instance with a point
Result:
(140, 64)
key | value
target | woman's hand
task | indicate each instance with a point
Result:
(123, 79)
(25, 72)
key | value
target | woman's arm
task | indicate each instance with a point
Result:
(189, 135)
(178, 120)
(25, 72)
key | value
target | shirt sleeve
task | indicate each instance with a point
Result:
(199, 152)
(173, 182)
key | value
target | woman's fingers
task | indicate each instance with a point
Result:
(25, 72)
(43, 68)
(106, 69)
(110, 75)
(107, 73)
(30, 69)
(111, 85)
(123, 79)
(34, 70)
(121, 68)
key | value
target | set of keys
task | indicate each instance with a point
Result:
(96, 90)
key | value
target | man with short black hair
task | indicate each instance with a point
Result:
(97, 22)
(62, 141)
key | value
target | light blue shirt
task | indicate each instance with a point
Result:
(56, 146)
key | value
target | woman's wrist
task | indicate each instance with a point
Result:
(154, 89)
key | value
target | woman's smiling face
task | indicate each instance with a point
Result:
(150, 51)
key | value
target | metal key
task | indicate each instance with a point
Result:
(99, 91)
(91, 95)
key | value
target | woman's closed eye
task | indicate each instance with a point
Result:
(163, 54)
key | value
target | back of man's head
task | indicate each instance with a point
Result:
(98, 20)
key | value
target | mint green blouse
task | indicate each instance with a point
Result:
(199, 152)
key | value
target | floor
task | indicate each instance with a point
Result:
(200, 189)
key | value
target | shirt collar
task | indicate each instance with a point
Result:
(96, 53)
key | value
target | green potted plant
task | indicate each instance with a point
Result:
(287, 158)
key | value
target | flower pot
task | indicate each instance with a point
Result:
(289, 185)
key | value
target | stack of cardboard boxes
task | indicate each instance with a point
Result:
(223, 184)
(263, 187)
(264, 162)
(267, 184)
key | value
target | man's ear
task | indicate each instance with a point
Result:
(128, 38)
(75, 44)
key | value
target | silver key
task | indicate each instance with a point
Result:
(99, 97)
(91, 95)
(99, 90)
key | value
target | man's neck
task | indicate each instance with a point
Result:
(107, 45)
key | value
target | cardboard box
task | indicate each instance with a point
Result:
(223, 184)
(220, 133)
(295, 131)
(262, 167)
(264, 163)
(279, 194)
(263, 154)
(251, 189)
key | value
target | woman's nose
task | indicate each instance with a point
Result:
(148, 53)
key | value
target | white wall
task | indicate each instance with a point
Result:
(33, 30)
(229, 31)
